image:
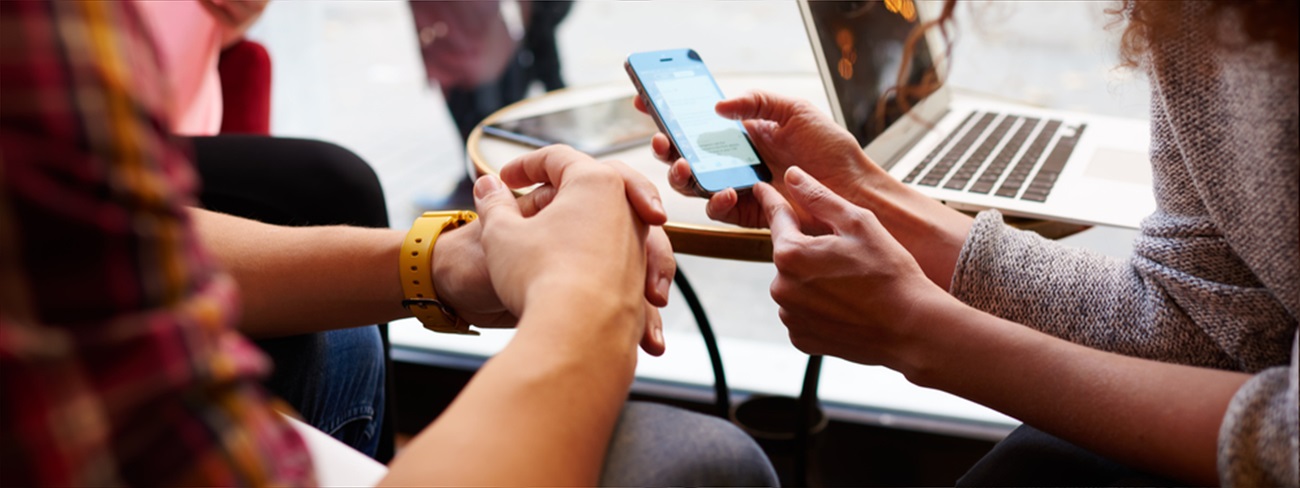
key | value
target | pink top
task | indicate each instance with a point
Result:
(189, 40)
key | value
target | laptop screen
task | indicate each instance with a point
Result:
(864, 43)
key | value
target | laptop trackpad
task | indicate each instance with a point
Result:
(1119, 165)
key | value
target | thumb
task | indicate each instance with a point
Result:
(493, 200)
(817, 201)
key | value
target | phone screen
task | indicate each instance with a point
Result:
(682, 95)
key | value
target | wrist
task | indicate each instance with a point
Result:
(578, 293)
(967, 347)
(869, 179)
(585, 310)
(416, 260)
(937, 325)
(456, 256)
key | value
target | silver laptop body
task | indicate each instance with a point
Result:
(973, 153)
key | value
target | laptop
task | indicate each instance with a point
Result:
(972, 153)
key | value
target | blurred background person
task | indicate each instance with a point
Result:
(484, 55)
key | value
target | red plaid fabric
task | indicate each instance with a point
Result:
(119, 363)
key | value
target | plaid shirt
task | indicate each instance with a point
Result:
(119, 363)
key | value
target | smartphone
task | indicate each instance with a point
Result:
(681, 95)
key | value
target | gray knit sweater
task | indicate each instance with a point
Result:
(1214, 279)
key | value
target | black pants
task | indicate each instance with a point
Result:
(299, 182)
(1030, 457)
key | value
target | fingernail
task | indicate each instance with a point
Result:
(487, 185)
(664, 284)
(658, 205)
(795, 176)
(659, 335)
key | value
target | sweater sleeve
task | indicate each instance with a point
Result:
(1259, 441)
(1142, 307)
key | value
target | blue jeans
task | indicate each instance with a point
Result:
(335, 379)
(659, 445)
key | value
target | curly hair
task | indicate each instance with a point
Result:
(1149, 21)
(905, 94)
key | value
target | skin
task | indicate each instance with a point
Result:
(234, 16)
(578, 267)
(863, 265)
(279, 299)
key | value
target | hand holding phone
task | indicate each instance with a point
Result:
(681, 95)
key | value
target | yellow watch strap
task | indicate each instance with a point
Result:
(416, 263)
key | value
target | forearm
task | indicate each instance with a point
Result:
(296, 280)
(539, 413)
(1161, 417)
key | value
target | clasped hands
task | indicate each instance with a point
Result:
(588, 235)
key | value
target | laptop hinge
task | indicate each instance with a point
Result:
(906, 148)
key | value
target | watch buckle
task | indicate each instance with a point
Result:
(446, 312)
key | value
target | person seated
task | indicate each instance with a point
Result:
(124, 309)
(335, 379)
(1179, 364)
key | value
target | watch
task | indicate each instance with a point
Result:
(416, 263)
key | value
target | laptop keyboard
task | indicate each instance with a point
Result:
(956, 165)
